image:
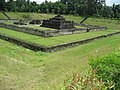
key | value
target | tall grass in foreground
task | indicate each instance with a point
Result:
(104, 75)
(86, 81)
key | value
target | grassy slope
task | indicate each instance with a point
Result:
(19, 15)
(53, 40)
(2, 16)
(24, 69)
(113, 24)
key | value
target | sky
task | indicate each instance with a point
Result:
(108, 2)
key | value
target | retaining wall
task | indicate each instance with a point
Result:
(37, 47)
(23, 29)
(9, 20)
(31, 46)
(48, 33)
(76, 43)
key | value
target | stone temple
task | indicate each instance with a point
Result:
(58, 22)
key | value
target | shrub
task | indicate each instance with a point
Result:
(85, 81)
(108, 69)
(105, 75)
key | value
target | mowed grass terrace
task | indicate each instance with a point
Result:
(2, 16)
(110, 23)
(24, 69)
(38, 27)
(53, 40)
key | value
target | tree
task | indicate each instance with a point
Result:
(2, 5)
(116, 11)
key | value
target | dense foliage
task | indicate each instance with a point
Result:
(105, 75)
(85, 81)
(75, 7)
(108, 69)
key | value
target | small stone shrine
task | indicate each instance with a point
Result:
(58, 22)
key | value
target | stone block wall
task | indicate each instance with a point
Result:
(50, 33)
(7, 20)
(37, 47)
(23, 29)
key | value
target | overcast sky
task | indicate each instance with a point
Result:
(108, 2)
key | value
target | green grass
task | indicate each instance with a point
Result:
(79, 27)
(10, 23)
(24, 69)
(20, 15)
(44, 28)
(53, 40)
(112, 24)
(2, 16)
(38, 27)
(37, 16)
(30, 26)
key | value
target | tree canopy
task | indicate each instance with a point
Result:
(74, 7)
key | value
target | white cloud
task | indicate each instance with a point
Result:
(108, 2)
(111, 2)
(40, 1)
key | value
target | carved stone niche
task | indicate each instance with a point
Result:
(58, 22)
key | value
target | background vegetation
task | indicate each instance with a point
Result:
(24, 69)
(73, 7)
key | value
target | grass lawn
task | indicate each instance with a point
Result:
(24, 69)
(30, 26)
(113, 24)
(44, 28)
(10, 23)
(38, 27)
(37, 16)
(2, 16)
(80, 27)
(53, 40)
(21, 15)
